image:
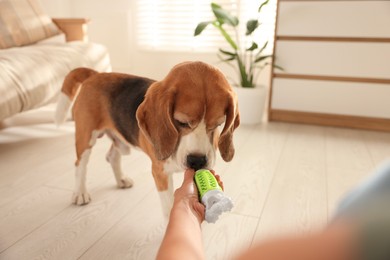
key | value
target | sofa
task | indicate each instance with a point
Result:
(37, 52)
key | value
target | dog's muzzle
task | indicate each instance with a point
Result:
(196, 162)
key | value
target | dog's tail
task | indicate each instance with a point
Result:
(69, 90)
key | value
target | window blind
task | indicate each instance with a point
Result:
(169, 24)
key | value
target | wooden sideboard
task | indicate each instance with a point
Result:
(336, 61)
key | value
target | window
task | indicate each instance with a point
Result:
(169, 24)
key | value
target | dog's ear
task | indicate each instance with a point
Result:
(225, 143)
(155, 119)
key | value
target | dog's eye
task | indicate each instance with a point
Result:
(182, 124)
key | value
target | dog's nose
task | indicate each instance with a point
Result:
(196, 162)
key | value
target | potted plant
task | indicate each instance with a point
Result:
(248, 59)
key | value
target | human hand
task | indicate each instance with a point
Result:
(188, 194)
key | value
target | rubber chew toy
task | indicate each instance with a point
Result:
(211, 195)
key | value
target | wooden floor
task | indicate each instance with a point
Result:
(284, 178)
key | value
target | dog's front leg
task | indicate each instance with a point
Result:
(164, 186)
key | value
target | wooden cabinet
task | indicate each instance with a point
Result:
(336, 60)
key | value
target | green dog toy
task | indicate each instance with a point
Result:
(211, 195)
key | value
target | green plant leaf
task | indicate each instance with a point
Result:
(262, 49)
(273, 65)
(225, 59)
(251, 26)
(253, 47)
(224, 16)
(263, 4)
(262, 58)
(225, 35)
(201, 26)
(228, 52)
(277, 67)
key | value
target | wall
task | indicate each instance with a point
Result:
(57, 8)
(112, 24)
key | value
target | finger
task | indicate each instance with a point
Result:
(200, 210)
(189, 173)
(188, 186)
(220, 184)
(188, 176)
(218, 178)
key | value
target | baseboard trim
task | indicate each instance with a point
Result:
(357, 122)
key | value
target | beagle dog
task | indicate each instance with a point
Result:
(174, 121)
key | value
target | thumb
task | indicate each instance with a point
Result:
(188, 176)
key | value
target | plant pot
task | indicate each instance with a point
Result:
(251, 103)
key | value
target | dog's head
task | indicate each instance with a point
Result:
(181, 115)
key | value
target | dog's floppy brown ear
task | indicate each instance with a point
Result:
(155, 119)
(225, 144)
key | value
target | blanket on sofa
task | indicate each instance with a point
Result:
(31, 76)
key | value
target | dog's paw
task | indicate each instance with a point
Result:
(125, 183)
(81, 198)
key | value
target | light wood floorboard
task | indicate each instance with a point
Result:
(284, 178)
(296, 201)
